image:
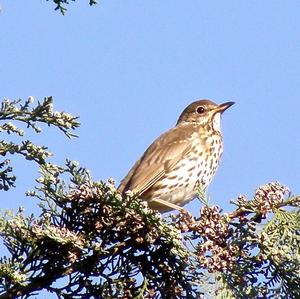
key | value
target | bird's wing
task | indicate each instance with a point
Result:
(160, 158)
(125, 182)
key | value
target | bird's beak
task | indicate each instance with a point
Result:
(222, 107)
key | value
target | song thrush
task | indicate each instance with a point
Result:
(180, 160)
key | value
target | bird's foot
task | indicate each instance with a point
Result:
(168, 204)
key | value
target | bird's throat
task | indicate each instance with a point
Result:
(216, 123)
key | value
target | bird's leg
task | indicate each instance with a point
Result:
(167, 204)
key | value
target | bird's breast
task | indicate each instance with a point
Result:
(196, 169)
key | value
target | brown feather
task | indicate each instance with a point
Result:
(160, 158)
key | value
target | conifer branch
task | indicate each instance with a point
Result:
(90, 242)
(14, 112)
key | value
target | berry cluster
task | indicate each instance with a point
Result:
(269, 196)
(214, 252)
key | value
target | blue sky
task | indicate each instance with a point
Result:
(128, 69)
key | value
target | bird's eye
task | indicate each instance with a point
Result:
(200, 109)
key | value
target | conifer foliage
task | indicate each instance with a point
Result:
(89, 242)
(61, 5)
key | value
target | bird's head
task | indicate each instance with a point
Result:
(204, 112)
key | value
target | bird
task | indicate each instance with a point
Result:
(181, 160)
